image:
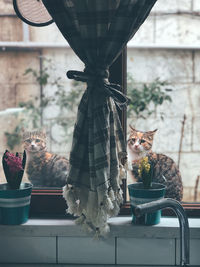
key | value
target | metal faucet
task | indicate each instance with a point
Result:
(183, 222)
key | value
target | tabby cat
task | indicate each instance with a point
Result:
(165, 170)
(44, 169)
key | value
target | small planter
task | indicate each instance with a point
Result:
(14, 204)
(139, 195)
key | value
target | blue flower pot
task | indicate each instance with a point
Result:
(14, 204)
(139, 195)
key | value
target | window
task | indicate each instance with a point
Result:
(36, 92)
(166, 49)
(45, 62)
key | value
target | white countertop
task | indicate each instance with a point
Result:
(119, 227)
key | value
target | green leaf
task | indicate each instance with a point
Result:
(142, 96)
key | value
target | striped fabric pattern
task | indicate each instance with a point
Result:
(97, 31)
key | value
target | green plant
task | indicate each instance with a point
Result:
(145, 98)
(67, 102)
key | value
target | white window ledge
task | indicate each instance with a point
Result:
(119, 227)
(131, 45)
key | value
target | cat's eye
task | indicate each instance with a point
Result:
(133, 140)
(142, 141)
(28, 140)
(37, 140)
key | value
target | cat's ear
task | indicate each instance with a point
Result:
(23, 133)
(43, 130)
(132, 129)
(42, 133)
(151, 132)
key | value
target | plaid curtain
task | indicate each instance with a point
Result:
(97, 31)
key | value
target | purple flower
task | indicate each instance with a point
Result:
(13, 167)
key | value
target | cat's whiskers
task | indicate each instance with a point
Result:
(137, 155)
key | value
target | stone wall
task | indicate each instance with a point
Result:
(172, 22)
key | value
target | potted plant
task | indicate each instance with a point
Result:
(145, 191)
(14, 196)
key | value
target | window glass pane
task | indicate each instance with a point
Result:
(36, 95)
(163, 80)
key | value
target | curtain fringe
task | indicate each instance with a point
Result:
(92, 217)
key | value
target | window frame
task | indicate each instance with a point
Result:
(49, 203)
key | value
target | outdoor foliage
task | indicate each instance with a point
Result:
(67, 101)
(145, 98)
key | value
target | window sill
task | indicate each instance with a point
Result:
(119, 227)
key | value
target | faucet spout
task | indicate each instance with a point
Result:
(183, 222)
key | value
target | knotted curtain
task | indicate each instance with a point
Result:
(97, 31)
